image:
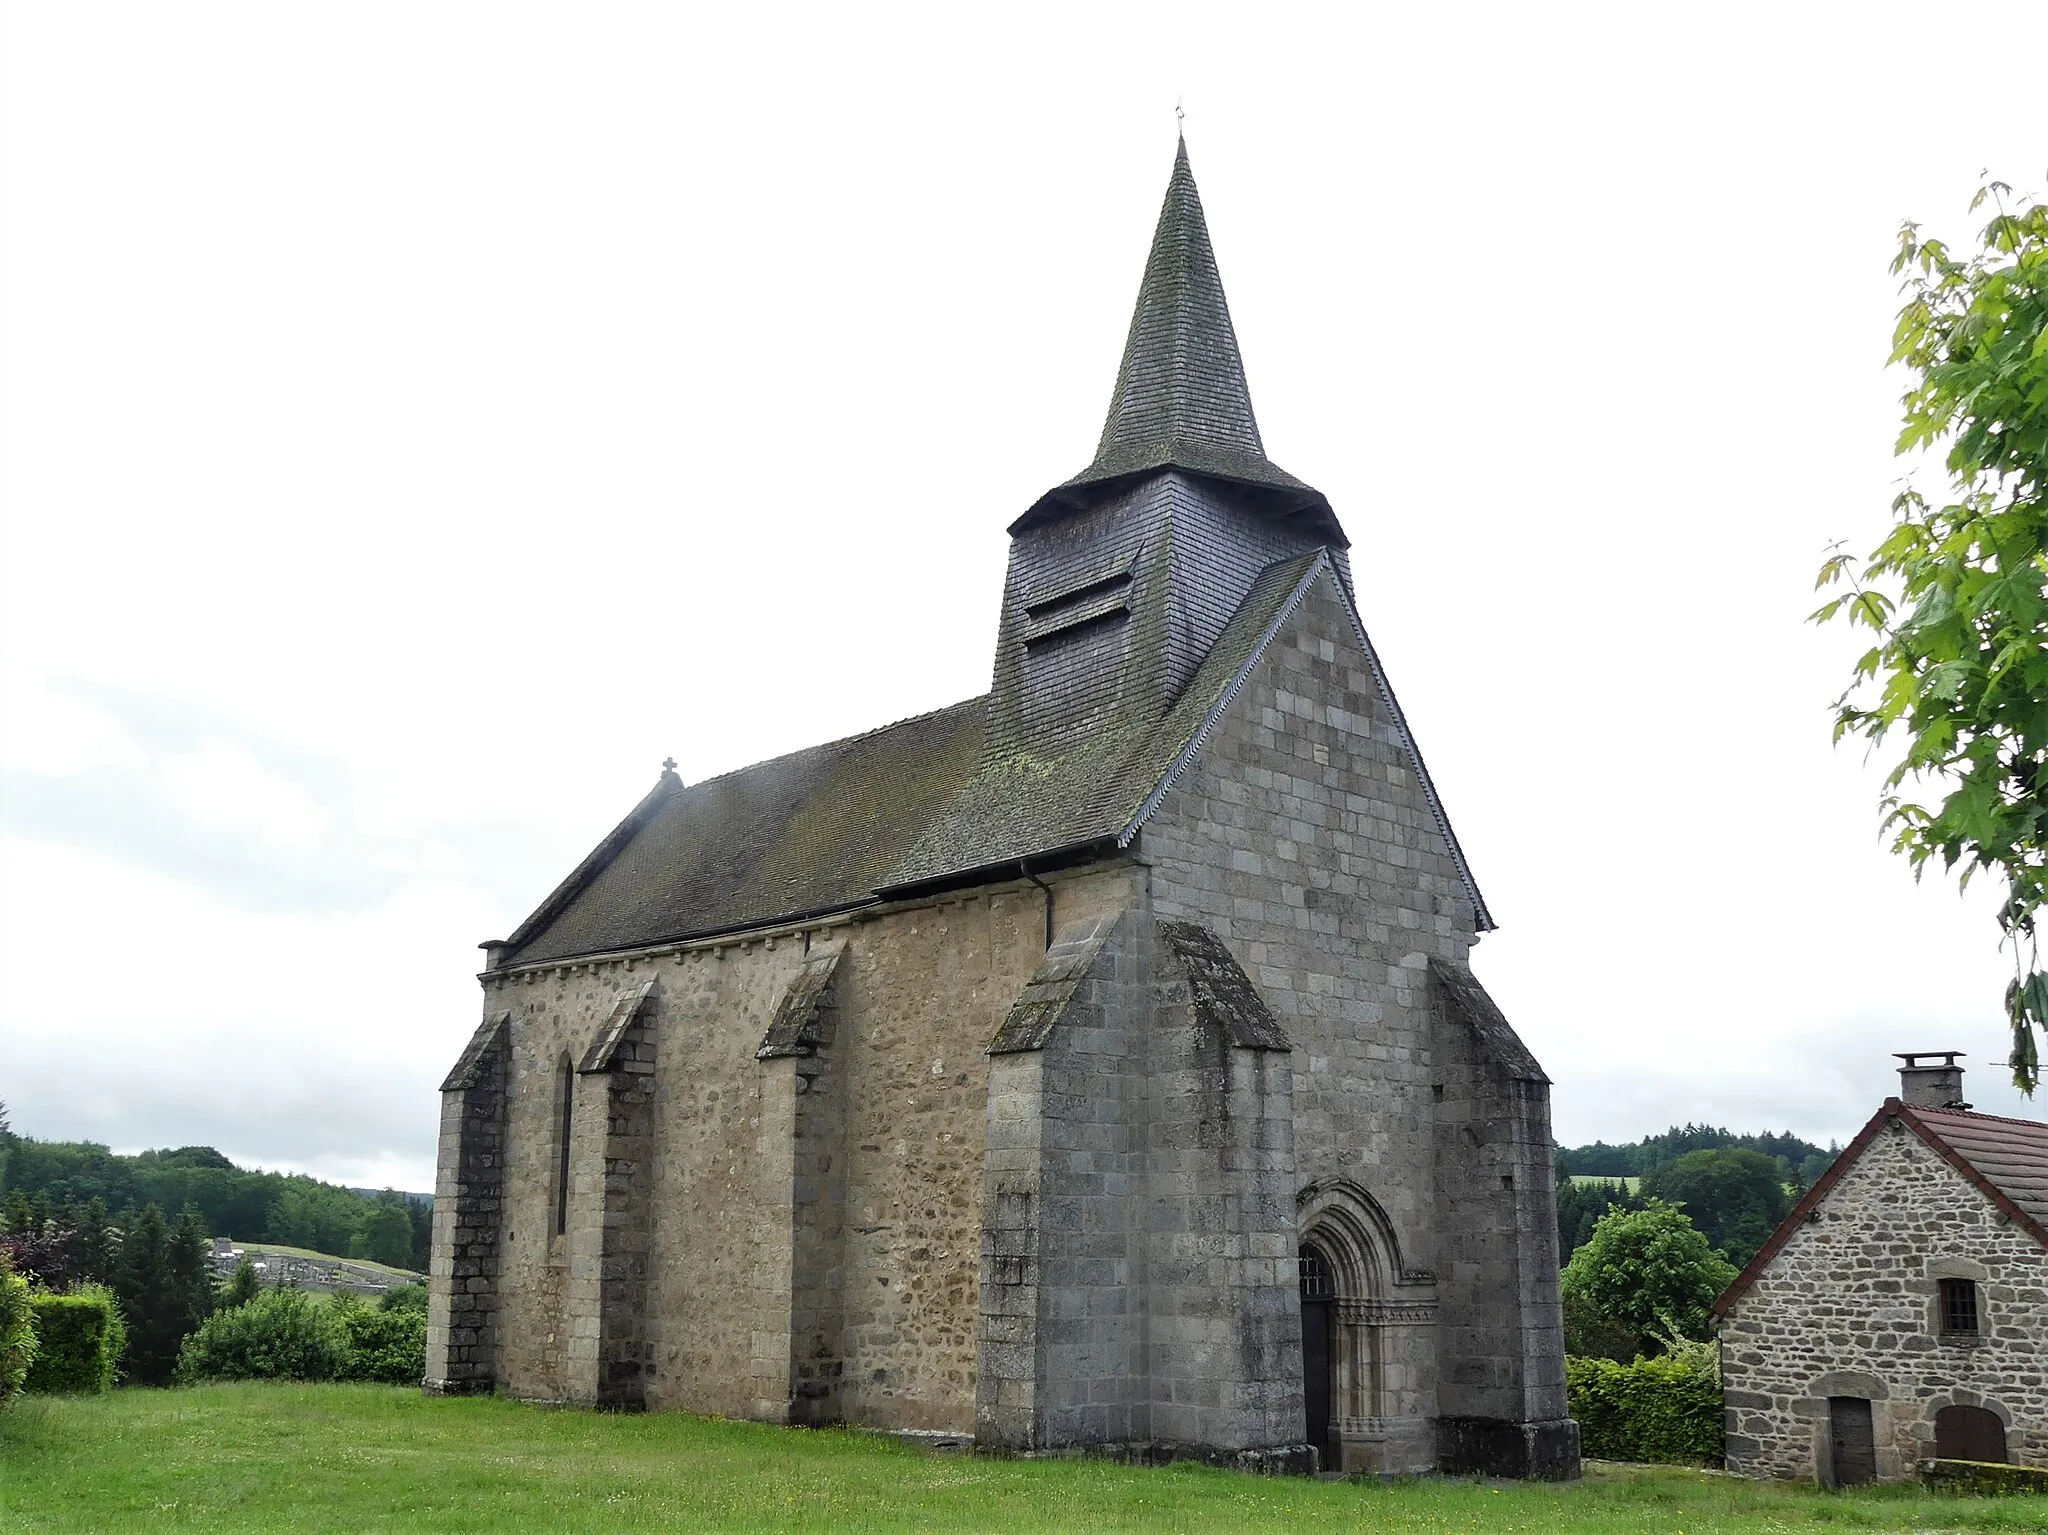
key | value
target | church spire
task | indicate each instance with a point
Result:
(1181, 401)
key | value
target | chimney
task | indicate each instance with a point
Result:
(1938, 1085)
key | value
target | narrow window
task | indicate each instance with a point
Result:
(566, 1095)
(1959, 1305)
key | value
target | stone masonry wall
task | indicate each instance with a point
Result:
(1304, 838)
(871, 1209)
(1847, 1308)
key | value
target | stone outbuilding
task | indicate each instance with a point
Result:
(1900, 1313)
(1093, 1063)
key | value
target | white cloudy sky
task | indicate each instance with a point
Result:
(419, 419)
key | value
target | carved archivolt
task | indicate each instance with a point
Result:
(1376, 1293)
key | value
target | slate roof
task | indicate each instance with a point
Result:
(811, 832)
(916, 804)
(1093, 792)
(2006, 1159)
(1181, 400)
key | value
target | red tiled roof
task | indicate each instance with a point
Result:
(2007, 1160)
(2010, 1154)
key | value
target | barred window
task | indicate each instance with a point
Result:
(1316, 1280)
(1959, 1305)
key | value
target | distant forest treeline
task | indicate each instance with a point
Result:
(1804, 1161)
(247, 1206)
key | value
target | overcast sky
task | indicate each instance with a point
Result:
(419, 419)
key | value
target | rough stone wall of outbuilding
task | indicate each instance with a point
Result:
(1848, 1308)
(1303, 837)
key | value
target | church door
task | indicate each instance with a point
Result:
(1318, 1289)
(1969, 1433)
(1854, 1457)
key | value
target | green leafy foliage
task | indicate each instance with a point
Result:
(1956, 595)
(249, 1206)
(1644, 1276)
(389, 1346)
(385, 1236)
(1580, 1206)
(405, 1297)
(280, 1335)
(243, 1285)
(1666, 1409)
(1634, 1159)
(80, 1337)
(17, 1332)
(1735, 1196)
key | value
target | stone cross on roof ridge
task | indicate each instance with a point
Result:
(1181, 400)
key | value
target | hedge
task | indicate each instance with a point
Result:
(79, 1339)
(1665, 1409)
(17, 1332)
(385, 1344)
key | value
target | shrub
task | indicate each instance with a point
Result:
(1647, 1271)
(405, 1297)
(79, 1340)
(280, 1335)
(17, 1332)
(383, 1345)
(1666, 1409)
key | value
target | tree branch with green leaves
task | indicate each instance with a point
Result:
(1957, 593)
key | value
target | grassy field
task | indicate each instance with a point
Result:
(309, 1459)
(1634, 1184)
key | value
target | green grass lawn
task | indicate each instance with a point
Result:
(306, 1459)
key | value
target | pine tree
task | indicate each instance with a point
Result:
(192, 1269)
(142, 1284)
(95, 1243)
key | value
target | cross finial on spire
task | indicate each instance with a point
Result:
(668, 764)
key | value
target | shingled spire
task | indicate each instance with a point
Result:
(1181, 401)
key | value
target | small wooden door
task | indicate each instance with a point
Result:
(1969, 1433)
(1317, 1291)
(1854, 1452)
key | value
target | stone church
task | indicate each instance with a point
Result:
(1094, 1063)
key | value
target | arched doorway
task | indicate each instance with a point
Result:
(1318, 1352)
(1969, 1433)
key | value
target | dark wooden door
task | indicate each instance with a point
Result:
(1316, 1294)
(1855, 1447)
(1969, 1433)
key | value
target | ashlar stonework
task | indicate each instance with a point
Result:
(1094, 1064)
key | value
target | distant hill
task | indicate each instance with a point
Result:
(243, 1204)
(1804, 1161)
